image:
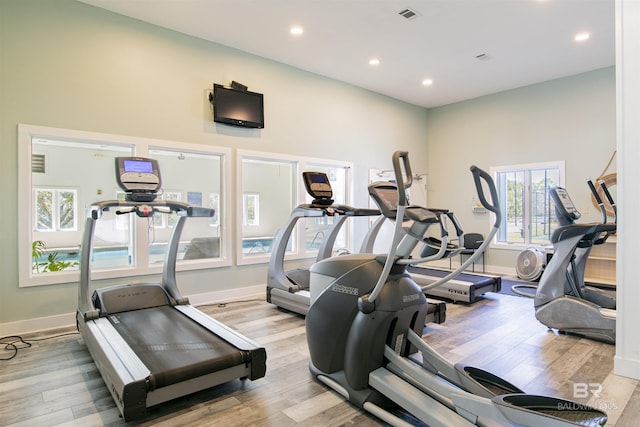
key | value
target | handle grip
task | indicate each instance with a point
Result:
(594, 191)
(605, 190)
(403, 182)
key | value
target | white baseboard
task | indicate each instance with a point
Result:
(228, 295)
(626, 367)
(68, 320)
(28, 326)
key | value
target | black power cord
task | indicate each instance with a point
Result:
(13, 343)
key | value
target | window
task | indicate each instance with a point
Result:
(271, 186)
(528, 215)
(62, 172)
(55, 209)
(169, 220)
(268, 189)
(251, 209)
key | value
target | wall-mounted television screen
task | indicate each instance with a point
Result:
(237, 107)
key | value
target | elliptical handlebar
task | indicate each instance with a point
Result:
(612, 202)
(494, 207)
(594, 191)
(607, 194)
(403, 182)
(598, 199)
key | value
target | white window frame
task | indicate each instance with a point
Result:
(560, 165)
(299, 164)
(141, 147)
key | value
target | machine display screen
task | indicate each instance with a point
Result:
(567, 204)
(139, 177)
(140, 166)
(318, 187)
(318, 178)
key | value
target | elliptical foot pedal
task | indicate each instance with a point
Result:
(492, 384)
(521, 407)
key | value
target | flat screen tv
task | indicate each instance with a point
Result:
(237, 107)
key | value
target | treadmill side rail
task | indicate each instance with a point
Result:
(124, 374)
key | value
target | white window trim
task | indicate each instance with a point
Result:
(27, 132)
(560, 164)
(300, 164)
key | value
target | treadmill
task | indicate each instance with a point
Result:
(289, 289)
(149, 344)
(467, 288)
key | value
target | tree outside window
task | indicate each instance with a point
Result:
(528, 213)
(55, 209)
(251, 209)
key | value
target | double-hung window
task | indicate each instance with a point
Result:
(528, 216)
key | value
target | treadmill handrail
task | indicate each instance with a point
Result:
(96, 209)
(184, 210)
(314, 210)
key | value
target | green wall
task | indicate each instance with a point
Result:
(69, 65)
(65, 64)
(571, 119)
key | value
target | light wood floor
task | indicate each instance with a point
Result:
(55, 382)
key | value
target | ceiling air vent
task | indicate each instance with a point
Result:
(37, 163)
(408, 13)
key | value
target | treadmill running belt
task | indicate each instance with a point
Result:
(172, 346)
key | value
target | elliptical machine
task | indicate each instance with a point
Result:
(364, 332)
(562, 300)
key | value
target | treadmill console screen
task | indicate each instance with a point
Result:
(138, 177)
(318, 187)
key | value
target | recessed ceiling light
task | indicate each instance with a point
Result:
(296, 30)
(580, 37)
(427, 82)
(374, 61)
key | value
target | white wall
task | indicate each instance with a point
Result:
(627, 360)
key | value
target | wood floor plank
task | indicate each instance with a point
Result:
(55, 382)
(630, 412)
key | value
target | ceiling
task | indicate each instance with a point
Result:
(468, 48)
